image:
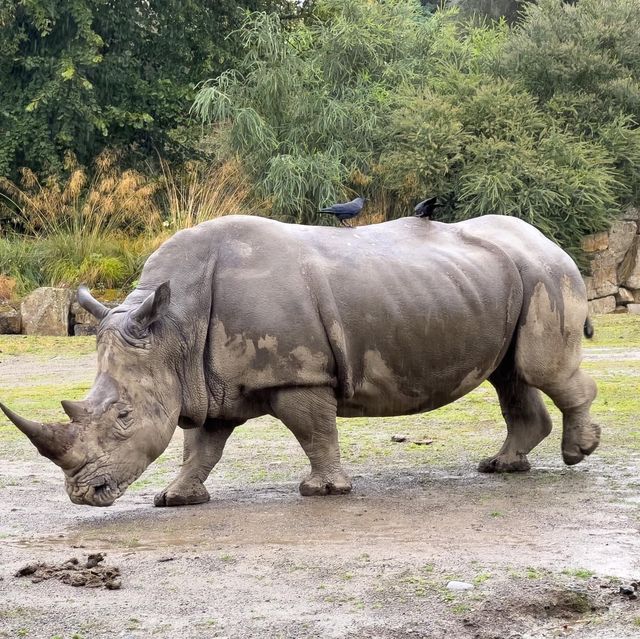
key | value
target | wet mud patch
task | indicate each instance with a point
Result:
(549, 608)
(73, 572)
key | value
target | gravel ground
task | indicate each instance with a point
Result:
(545, 552)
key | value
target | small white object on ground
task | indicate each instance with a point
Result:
(459, 585)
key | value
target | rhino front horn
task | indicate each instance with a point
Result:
(52, 441)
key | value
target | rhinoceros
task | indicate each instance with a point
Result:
(245, 316)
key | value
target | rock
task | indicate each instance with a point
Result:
(46, 311)
(82, 330)
(114, 584)
(624, 296)
(604, 277)
(422, 442)
(10, 321)
(621, 309)
(634, 309)
(398, 438)
(596, 242)
(604, 305)
(83, 322)
(80, 316)
(631, 213)
(459, 585)
(7, 288)
(621, 236)
(94, 559)
(629, 270)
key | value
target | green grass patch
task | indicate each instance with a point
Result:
(615, 330)
(15, 345)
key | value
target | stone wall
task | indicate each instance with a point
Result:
(48, 311)
(613, 274)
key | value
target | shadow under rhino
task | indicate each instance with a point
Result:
(244, 316)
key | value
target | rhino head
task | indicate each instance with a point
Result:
(132, 410)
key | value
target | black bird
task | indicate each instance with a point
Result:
(345, 211)
(427, 207)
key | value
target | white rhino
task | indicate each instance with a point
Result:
(245, 316)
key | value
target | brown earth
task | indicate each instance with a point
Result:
(545, 551)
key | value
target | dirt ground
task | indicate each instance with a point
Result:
(546, 552)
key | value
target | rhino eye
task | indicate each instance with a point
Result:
(124, 419)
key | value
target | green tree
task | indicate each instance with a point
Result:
(79, 76)
(582, 63)
(387, 100)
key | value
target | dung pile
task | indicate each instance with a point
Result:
(88, 574)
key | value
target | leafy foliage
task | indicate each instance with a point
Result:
(79, 76)
(385, 99)
(99, 226)
(582, 63)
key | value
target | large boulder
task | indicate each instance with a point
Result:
(9, 320)
(603, 305)
(629, 270)
(603, 279)
(595, 242)
(46, 311)
(83, 322)
(621, 237)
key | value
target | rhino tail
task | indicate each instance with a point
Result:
(588, 328)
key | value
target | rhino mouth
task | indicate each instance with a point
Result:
(101, 491)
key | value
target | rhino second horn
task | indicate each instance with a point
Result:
(90, 303)
(76, 411)
(51, 441)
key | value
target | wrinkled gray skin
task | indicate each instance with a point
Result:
(244, 316)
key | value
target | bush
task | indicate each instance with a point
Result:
(385, 99)
(84, 75)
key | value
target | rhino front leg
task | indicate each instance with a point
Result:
(528, 422)
(202, 451)
(310, 414)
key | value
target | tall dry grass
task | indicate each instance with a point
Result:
(99, 227)
(197, 192)
(84, 205)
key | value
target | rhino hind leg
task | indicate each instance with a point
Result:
(528, 422)
(310, 414)
(573, 396)
(202, 450)
(548, 356)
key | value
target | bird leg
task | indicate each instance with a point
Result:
(345, 224)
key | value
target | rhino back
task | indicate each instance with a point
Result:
(420, 312)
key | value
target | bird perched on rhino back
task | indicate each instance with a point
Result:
(346, 210)
(427, 207)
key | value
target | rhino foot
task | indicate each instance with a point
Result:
(333, 484)
(587, 441)
(182, 494)
(505, 464)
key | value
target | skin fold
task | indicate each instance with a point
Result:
(245, 316)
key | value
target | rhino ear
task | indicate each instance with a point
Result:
(153, 307)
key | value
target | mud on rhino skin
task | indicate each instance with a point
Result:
(245, 316)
